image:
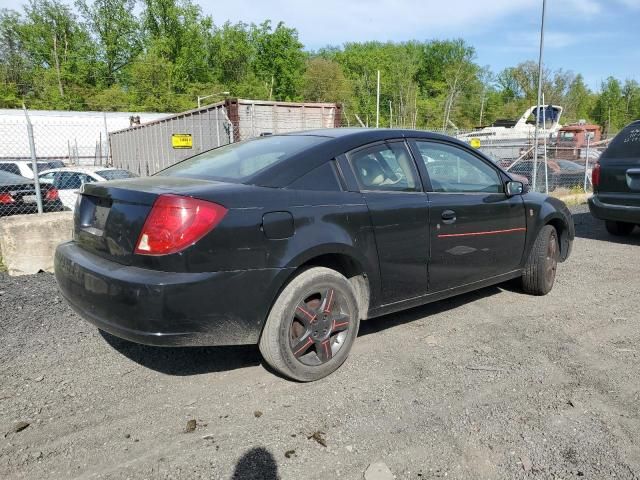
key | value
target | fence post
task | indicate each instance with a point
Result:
(106, 138)
(34, 160)
(586, 163)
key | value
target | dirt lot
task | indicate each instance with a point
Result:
(494, 384)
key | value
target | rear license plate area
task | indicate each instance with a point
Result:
(94, 212)
(29, 199)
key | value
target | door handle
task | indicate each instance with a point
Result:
(448, 216)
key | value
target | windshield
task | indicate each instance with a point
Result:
(567, 135)
(115, 174)
(239, 161)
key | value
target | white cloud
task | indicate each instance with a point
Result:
(581, 7)
(635, 4)
(323, 22)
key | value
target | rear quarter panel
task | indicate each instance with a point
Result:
(324, 223)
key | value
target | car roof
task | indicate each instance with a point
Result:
(370, 133)
(81, 169)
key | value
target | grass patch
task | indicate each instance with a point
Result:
(571, 196)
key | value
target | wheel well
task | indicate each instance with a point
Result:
(352, 270)
(563, 235)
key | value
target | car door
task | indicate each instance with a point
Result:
(477, 231)
(390, 184)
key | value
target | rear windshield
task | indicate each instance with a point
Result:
(115, 174)
(626, 145)
(42, 166)
(240, 161)
(7, 178)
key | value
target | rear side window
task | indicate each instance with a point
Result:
(626, 145)
(322, 178)
(240, 161)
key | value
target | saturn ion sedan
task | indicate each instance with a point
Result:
(289, 241)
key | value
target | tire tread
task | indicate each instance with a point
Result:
(533, 275)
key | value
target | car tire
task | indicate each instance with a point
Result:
(311, 326)
(539, 273)
(619, 229)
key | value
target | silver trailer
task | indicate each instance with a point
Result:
(150, 147)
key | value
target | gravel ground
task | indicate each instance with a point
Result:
(493, 384)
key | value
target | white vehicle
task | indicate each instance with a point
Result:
(505, 139)
(23, 167)
(69, 179)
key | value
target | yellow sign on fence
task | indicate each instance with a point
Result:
(181, 140)
(475, 142)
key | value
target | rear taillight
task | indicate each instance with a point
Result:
(52, 195)
(595, 176)
(176, 222)
(6, 198)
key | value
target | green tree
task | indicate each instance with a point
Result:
(446, 70)
(324, 81)
(15, 69)
(280, 60)
(610, 106)
(60, 48)
(579, 101)
(117, 33)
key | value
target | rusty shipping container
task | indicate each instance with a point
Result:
(150, 147)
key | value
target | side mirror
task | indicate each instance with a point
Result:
(514, 188)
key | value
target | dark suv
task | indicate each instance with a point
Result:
(616, 183)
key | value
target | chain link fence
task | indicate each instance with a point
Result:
(559, 169)
(45, 157)
(91, 149)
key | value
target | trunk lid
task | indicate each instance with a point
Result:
(109, 216)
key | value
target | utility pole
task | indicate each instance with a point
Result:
(378, 102)
(390, 115)
(540, 69)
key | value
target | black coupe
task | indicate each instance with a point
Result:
(289, 241)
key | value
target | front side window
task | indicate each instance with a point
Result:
(454, 170)
(385, 167)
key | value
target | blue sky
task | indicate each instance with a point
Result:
(597, 38)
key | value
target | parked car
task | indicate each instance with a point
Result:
(24, 168)
(616, 183)
(18, 196)
(289, 241)
(69, 179)
(561, 173)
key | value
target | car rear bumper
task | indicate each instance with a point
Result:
(618, 213)
(164, 308)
